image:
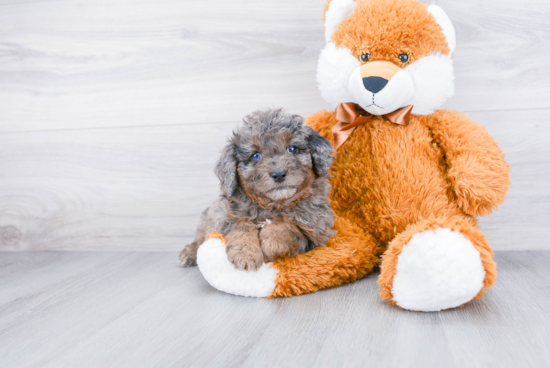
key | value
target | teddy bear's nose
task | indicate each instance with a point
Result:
(374, 84)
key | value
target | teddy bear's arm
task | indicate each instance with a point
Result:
(476, 167)
(322, 122)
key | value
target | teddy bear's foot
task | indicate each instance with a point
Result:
(436, 268)
(221, 274)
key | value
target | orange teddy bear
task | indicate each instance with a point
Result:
(408, 180)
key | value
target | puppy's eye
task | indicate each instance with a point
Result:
(292, 149)
(256, 156)
(365, 57)
(404, 58)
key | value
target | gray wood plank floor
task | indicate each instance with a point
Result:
(138, 309)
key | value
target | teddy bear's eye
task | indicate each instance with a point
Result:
(404, 58)
(256, 156)
(365, 57)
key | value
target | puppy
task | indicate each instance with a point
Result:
(274, 192)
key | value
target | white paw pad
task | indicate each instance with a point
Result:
(221, 274)
(437, 270)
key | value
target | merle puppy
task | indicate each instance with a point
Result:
(274, 192)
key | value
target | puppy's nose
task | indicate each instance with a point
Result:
(279, 175)
(374, 84)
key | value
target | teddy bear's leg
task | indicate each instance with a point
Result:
(347, 256)
(436, 264)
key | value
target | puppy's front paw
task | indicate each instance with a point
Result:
(281, 239)
(247, 258)
(188, 256)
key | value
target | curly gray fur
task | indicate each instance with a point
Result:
(249, 194)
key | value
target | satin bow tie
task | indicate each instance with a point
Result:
(350, 116)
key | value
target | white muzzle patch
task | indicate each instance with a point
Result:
(396, 94)
(426, 84)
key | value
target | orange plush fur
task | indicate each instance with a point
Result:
(392, 181)
(418, 34)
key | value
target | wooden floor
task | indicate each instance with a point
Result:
(139, 309)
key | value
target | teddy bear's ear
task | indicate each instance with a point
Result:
(337, 12)
(445, 23)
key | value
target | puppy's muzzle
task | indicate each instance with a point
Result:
(377, 74)
(279, 175)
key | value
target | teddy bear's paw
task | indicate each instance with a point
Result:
(221, 274)
(437, 270)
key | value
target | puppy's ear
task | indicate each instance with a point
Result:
(321, 152)
(226, 170)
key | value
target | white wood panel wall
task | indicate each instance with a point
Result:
(112, 113)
